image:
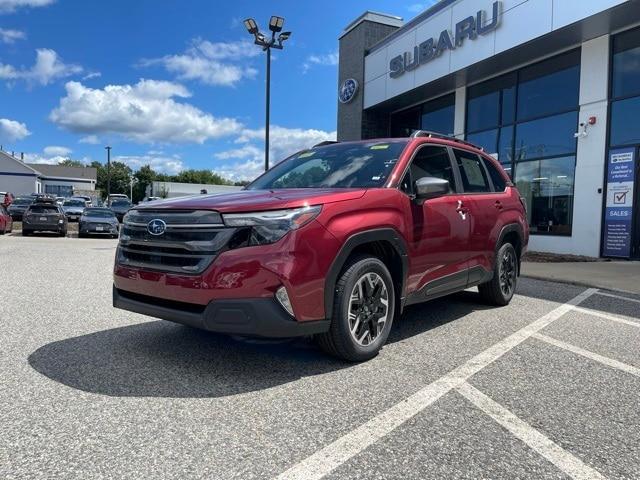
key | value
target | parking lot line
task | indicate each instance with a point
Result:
(586, 353)
(328, 458)
(535, 440)
(619, 297)
(596, 313)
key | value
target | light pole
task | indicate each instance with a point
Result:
(262, 40)
(108, 149)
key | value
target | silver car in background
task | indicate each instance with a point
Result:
(97, 220)
(73, 208)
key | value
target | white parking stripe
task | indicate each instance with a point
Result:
(535, 440)
(619, 297)
(597, 313)
(320, 463)
(610, 362)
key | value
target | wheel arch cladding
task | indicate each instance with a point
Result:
(385, 244)
(512, 233)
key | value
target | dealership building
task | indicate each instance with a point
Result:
(551, 88)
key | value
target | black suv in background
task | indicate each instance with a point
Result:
(18, 207)
(44, 215)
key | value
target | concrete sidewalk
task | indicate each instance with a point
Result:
(621, 276)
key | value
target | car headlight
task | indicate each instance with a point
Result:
(270, 226)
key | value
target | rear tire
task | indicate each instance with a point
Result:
(63, 233)
(26, 233)
(363, 311)
(499, 291)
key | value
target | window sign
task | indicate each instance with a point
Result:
(619, 207)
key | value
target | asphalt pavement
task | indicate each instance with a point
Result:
(547, 387)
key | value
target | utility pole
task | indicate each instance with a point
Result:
(108, 149)
(267, 121)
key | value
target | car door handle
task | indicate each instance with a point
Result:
(498, 205)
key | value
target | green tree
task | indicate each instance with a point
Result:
(120, 177)
(145, 176)
(67, 162)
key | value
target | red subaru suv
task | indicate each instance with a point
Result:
(334, 241)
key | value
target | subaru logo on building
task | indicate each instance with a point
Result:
(156, 227)
(348, 90)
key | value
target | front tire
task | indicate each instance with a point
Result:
(499, 291)
(25, 232)
(363, 311)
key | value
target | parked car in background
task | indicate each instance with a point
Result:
(17, 208)
(120, 206)
(60, 200)
(150, 199)
(95, 220)
(87, 200)
(6, 223)
(117, 196)
(6, 198)
(73, 208)
(44, 216)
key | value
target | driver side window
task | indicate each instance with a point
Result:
(430, 161)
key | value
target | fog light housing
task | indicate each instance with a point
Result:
(283, 299)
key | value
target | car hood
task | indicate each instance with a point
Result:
(255, 200)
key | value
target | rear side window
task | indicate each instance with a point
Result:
(430, 161)
(499, 183)
(474, 176)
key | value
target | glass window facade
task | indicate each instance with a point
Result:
(527, 120)
(436, 115)
(625, 89)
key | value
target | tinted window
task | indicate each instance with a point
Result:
(549, 87)
(474, 177)
(405, 123)
(547, 137)
(43, 209)
(346, 165)
(74, 203)
(438, 115)
(23, 201)
(488, 140)
(626, 64)
(625, 126)
(483, 112)
(499, 183)
(547, 187)
(429, 161)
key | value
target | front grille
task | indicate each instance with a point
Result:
(189, 244)
(94, 225)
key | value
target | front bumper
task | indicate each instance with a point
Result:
(261, 317)
(96, 229)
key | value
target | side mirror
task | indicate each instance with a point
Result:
(431, 187)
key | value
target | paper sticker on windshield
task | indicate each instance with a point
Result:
(306, 154)
(379, 147)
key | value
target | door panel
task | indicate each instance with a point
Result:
(439, 233)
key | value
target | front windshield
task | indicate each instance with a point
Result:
(99, 213)
(346, 165)
(73, 203)
(120, 203)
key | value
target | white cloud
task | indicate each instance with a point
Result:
(52, 158)
(90, 139)
(9, 6)
(144, 112)
(91, 75)
(10, 36)
(210, 63)
(329, 59)
(11, 131)
(48, 67)
(54, 150)
(250, 153)
(170, 165)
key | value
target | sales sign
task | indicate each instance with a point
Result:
(619, 207)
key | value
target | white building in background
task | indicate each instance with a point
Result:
(176, 189)
(551, 88)
(22, 178)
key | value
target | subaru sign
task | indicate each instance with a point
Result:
(432, 48)
(348, 90)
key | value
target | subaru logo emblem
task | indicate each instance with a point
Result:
(347, 90)
(156, 227)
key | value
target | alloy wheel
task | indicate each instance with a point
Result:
(507, 273)
(368, 308)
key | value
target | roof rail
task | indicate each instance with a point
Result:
(429, 134)
(326, 142)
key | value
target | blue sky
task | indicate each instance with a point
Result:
(173, 83)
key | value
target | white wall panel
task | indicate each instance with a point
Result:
(525, 22)
(566, 12)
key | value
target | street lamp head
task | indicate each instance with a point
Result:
(251, 26)
(261, 39)
(276, 24)
(284, 36)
